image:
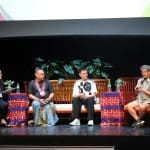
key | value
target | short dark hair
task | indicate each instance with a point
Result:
(83, 69)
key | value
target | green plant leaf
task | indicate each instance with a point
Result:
(53, 64)
(105, 75)
(39, 59)
(107, 65)
(84, 64)
(44, 66)
(60, 81)
(97, 62)
(90, 69)
(69, 69)
(56, 71)
(77, 62)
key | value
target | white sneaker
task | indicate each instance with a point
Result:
(75, 122)
(90, 123)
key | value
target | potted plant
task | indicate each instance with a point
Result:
(69, 70)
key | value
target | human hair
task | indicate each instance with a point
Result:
(37, 69)
(83, 69)
(147, 67)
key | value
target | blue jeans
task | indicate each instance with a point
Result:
(52, 118)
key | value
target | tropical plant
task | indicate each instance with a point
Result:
(9, 83)
(69, 70)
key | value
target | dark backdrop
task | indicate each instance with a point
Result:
(125, 53)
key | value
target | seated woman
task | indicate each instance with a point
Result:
(3, 102)
(41, 92)
(143, 97)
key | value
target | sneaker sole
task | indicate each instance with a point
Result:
(74, 124)
(90, 124)
(139, 125)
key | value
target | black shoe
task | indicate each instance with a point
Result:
(3, 125)
(140, 124)
(134, 123)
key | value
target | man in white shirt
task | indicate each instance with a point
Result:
(84, 93)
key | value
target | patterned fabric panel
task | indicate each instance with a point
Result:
(112, 110)
(17, 106)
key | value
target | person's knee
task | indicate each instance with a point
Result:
(144, 107)
(129, 107)
(47, 108)
(36, 104)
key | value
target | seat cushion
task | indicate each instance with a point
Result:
(67, 108)
(64, 108)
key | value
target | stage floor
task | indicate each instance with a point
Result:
(123, 137)
(67, 130)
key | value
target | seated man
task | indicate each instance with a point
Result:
(41, 92)
(143, 97)
(84, 92)
(3, 102)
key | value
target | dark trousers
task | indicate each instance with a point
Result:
(3, 109)
(76, 107)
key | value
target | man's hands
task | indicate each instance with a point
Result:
(82, 96)
(140, 88)
(44, 101)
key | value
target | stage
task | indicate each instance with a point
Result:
(64, 135)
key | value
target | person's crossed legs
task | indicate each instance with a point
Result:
(137, 116)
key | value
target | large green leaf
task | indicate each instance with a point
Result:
(76, 64)
(105, 75)
(84, 64)
(44, 66)
(107, 65)
(53, 64)
(97, 61)
(90, 69)
(56, 72)
(39, 59)
(69, 69)
(60, 81)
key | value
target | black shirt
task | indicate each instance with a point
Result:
(32, 89)
(2, 88)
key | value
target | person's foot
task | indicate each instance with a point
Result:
(137, 124)
(38, 124)
(47, 125)
(75, 122)
(3, 122)
(30, 123)
(140, 124)
(90, 123)
(134, 123)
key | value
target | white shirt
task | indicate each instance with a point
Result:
(79, 87)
